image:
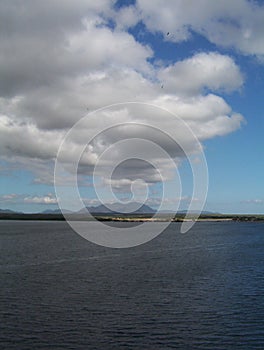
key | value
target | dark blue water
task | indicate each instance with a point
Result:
(201, 290)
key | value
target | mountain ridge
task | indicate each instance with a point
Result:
(117, 208)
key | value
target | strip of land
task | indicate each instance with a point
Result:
(132, 218)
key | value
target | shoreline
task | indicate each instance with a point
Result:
(136, 218)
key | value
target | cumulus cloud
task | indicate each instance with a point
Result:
(204, 70)
(49, 199)
(26, 140)
(58, 62)
(238, 24)
(126, 17)
(23, 198)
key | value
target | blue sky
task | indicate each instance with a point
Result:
(201, 60)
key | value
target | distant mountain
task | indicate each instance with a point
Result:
(56, 211)
(135, 208)
(184, 212)
(204, 212)
(117, 208)
(8, 211)
(50, 211)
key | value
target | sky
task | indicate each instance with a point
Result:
(167, 67)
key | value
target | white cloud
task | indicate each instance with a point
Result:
(127, 17)
(28, 199)
(69, 60)
(237, 24)
(204, 70)
(98, 46)
(49, 199)
(26, 140)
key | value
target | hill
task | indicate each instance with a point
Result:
(117, 208)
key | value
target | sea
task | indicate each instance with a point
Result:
(199, 290)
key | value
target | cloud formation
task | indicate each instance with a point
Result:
(238, 24)
(202, 71)
(58, 62)
(23, 198)
(49, 199)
